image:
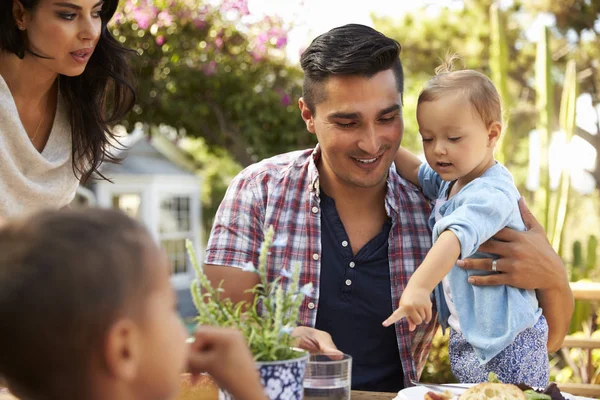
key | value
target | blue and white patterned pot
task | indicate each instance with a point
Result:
(283, 380)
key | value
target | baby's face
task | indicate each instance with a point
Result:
(456, 142)
(163, 335)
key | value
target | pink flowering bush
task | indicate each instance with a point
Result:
(204, 69)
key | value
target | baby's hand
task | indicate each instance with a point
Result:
(415, 305)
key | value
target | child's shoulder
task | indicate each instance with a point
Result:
(496, 179)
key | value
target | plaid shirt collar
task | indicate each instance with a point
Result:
(393, 183)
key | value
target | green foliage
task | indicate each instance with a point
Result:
(427, 36)
(217, 168)
(209, 73)
(268, 322)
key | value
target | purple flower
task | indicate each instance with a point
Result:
(281, 241)
(286, 100)
(248, 267)
(287, 330)
(307, 289)
(143, 17)
(281, 42)
(210, 68)
(285, 273)
(164, 18)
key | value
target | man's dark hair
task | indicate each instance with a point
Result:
(351, 49)
(65, 277)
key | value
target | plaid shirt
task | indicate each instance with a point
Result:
(283, 191)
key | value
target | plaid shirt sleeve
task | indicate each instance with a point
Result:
(407, 251)
(237, 231)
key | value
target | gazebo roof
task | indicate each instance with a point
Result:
(148, 155)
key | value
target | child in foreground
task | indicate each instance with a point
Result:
(497, 329)
(88, 313)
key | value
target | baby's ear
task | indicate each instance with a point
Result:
(494, 132)
(122, 349)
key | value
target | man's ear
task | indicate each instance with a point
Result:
(494, 132)
(20, 15)
(123, 349)
(307, 115)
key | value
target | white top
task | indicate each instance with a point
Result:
(30, 180)
(453, 318)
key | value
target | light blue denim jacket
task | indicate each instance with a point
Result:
(490, 317)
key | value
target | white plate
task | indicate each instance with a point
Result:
(418, 392)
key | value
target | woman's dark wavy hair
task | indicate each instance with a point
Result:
(95, 100)
(351, 49)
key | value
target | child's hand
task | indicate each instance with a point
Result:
(224, 354)
(415, 305)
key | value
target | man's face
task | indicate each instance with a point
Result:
(359, 127)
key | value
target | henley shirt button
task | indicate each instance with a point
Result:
(315, 256)
(311, 305)
(348, 282)
(345, 243)
(352, 264)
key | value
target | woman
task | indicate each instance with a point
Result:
(64, 81)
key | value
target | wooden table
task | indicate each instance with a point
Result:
(358, 395)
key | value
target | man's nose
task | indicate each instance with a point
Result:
(370, 142)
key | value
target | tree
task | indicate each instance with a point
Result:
(426, 37)
(209, 72)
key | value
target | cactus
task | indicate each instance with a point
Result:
(544, 107)
(582, 266)
(592, 252)
(567, 124)
(499, 69)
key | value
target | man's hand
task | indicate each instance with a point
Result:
(415, 305)
(314, 340)
(527, 260)
(224, 354)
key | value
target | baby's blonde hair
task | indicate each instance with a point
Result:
(477, 88)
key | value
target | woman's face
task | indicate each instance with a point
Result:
(65, 31)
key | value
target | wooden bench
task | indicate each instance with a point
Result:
(583, 291)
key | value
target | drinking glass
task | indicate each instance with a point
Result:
(328, 376)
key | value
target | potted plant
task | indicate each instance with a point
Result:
(267, 323)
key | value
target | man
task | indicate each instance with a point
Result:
(358, 229)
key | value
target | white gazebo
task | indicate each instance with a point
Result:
(156, 184)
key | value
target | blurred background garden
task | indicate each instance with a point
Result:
(220, 81)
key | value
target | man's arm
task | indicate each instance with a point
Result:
(236, 283)
(527, 261)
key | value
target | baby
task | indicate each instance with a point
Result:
(493, 329)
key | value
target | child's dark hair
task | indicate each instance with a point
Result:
(65, 277)
(96, 100)
(477, 88)
(351, 49)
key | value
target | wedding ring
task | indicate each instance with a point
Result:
(494, 265)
